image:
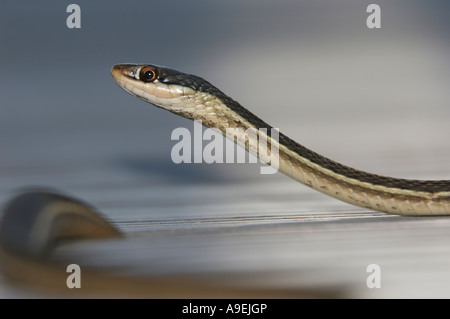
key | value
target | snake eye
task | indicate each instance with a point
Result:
(148, 74)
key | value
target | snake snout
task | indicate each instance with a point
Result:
(120, 70)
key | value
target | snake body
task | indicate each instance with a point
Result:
(35, 221)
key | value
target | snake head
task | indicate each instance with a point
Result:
(163, 87)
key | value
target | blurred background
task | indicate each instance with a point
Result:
(374, 99)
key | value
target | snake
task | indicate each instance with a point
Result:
(35, 221)
(194, 98)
